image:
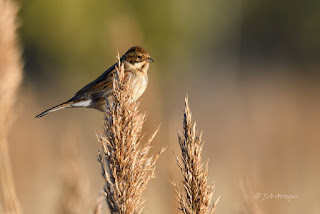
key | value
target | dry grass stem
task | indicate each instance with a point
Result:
(74, 187)
(126, 165)
(197, 195)
(249, 203)
(98, 207)
(10, 79)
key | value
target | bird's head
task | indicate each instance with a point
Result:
(137, 58)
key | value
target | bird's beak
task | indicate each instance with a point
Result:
(150, 60)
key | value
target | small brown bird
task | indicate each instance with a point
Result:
(136, 63)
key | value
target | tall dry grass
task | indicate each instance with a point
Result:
(197, 195)
(10, 79)
(249, 203)
(74, 187)
(98, 207)
(126, 164)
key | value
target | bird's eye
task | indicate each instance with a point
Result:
(139, 57)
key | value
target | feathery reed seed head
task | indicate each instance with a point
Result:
(197, 195)
(126, 166)
(10, 79)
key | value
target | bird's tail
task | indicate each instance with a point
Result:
(56, 108)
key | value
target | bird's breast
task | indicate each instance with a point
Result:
(139, 84)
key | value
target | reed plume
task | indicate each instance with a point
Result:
(197, 195)
(126, 165)
(10, 79)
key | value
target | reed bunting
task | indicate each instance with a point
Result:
(136, 64)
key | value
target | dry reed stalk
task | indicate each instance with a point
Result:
(197, 195)
(10, 79)
(98, 207)
(249, 203)
(126, 167)
(73, 196)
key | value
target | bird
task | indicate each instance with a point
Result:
(136, 64)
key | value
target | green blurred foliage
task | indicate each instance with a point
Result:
(63, 38)
(288, 28)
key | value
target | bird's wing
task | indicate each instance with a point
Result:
(103, 82)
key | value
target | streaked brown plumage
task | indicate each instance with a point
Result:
(136, 63)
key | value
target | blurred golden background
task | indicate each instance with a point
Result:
(252, 73)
